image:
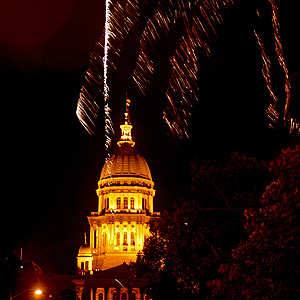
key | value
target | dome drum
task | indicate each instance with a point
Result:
(125, 182)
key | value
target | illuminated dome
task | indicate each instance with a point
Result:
(126, 162)
(85, 249)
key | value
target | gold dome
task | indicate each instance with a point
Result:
(85, 249)
(126, 162)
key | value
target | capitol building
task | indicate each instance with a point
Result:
(119, 227)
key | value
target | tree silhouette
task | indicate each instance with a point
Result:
(188, 245)
(265, 265)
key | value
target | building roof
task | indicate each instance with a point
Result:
(85, 249)
(126, 162)
(118, 276)
(121, 271)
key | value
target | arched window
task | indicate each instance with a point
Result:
(133, 296)
(125, 203)
(95, 238)
(131, 203)
(143, 204)
(101, 297)
(118, 238)
(125, 239)
(124, 296)
(132, 238)
(115, 296)
(118, 203)
(104, 239)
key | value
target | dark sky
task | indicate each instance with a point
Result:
(51, 164)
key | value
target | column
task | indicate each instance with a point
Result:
(118, 292)
(106, 293)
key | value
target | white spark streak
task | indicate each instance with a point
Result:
(119, 283)
(108, 122)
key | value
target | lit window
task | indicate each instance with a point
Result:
(125, 204)
(131, 203)
(143, 204)
(95, 238)
(118, 238)
(118, 203)
(104, 239)
(125, 239)
(132, 239)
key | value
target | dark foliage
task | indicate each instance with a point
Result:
(237, 239)
(265, 265)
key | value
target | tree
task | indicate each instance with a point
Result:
(265, 265)
(187, 246)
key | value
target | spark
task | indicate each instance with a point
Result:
(108, 122)
(119, 283)
(195, 20)
(190, 27)
(276, 110)
(272, 111)
(281, 60)
(112, 212)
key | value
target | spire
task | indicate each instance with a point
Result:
(85, 238)
(127, 116)
(126, 138)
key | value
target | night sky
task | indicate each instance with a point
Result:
(51, 164)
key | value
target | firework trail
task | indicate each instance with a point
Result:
(108, 122)
(111, 42)
(189, 27)
(278, 108)
(144, 23)
(196, 21)
(87, 107)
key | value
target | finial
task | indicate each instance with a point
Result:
(126, 138)
(127, 116)
(85, 238)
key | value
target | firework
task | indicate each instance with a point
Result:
(278, 108)
(148, 23)
(189, 27)
(196, 21)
